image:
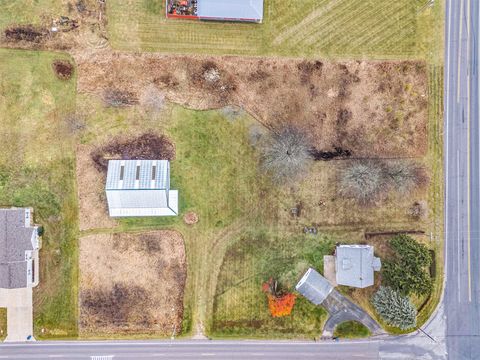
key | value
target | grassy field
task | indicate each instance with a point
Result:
(216, 172)
(339, 28)
(240, 305)
(37, 170)
(28, 11)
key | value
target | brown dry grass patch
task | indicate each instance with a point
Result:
(373, 109)
(132, 283)
(93, 211)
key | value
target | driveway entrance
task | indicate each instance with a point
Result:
(19, 313)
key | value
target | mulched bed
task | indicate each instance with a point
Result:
(63, 69)
(28, 33)
(145, 147)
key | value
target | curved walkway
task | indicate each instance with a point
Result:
(341, 309)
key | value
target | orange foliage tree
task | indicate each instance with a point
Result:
(280, 304)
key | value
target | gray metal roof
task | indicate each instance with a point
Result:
(16, 236)
(231, 9)
(140, 188)
(355, 265)
(138, 174)
(314, 286)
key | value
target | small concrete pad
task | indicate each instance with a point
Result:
(19, 313)
(329, 269)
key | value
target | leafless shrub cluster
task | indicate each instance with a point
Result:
(406, 175)
(418, 210)
(152, 99)
(363, 180)
(119, 98)
(370, 180)
(286, 154)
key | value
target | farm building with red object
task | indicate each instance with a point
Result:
(219, 10)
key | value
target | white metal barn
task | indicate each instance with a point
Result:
(140, 188)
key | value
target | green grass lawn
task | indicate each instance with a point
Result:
(3, 323)
(351, 330)
(28, 11)
(241, 306)
(327, 28)
(37, 170)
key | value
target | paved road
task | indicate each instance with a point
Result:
(462, 217)
(250, 350)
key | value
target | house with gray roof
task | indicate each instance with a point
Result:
(314, 287)
(19, 247)
(140, 188)
(355, 265)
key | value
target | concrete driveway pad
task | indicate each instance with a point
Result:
(19, 313)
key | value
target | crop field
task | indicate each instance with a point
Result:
(339, 28)
(37, 169)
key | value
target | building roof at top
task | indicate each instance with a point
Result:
(231, 9)
(355, 265)
(15, 238)
(314, 287)
(138, 174)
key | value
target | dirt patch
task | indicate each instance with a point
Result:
(132, 283)
(190, 218)
(63, 69)
(372, 109)
(144, 147)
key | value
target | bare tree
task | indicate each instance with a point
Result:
(286, 154)
(405, 175)
(370, 180)
(363, 180)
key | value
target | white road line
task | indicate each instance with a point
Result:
(468, 157)
(459, 50)
(458, 226)
(446, 134)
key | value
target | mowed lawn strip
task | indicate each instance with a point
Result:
(37, 170)
(338, 28)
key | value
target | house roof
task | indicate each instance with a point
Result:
(314, 286)
(140, 188)
(231, 9)
(355, 265)
(16, 236)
